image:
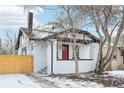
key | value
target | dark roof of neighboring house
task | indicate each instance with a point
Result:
(54, 36)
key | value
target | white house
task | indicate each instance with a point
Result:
(55, 50)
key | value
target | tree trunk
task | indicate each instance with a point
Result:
(98, 58)
(75, 55)
(99, 67)
(115, 44)
(104, 62)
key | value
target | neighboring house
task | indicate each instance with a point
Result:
(55, 50)
(118, 59)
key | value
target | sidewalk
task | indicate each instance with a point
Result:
(42, 82)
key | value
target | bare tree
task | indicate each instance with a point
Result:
(103, 18)
(10, 42)
(69, 18)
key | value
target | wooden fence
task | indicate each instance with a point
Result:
(16, 64)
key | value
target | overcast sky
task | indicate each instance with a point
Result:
(13, 17)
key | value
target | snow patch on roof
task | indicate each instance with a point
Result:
(44, 31)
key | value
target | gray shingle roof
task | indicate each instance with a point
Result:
(31, 36)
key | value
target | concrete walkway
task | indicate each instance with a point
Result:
(42, 82)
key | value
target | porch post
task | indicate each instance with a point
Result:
(54, 56)
(57, 50)
(51, 57)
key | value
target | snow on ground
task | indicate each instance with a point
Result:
(22, 81)
(69, 83)
(16, 81)
(117, 74)
(87, 80)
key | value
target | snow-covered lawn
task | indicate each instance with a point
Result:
(117, 74)
(69, 83)
(87, 80)
(16, 81)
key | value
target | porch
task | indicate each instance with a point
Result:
(61, 59)
(68, 66)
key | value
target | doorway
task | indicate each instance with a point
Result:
(65, 52)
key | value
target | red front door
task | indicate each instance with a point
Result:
(65, 50)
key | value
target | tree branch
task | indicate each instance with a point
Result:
(114, 28)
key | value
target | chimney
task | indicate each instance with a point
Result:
(30, 22)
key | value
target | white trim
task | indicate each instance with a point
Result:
(24, 33)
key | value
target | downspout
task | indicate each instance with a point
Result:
(51, 58)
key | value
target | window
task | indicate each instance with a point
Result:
(77, 51)
(23, 36)
(121, 53)
(32, 46)
(114, 57)
(24, 50)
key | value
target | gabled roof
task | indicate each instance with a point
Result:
(54, 36)
(22, 31)
(25, 31)
(31, 36)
